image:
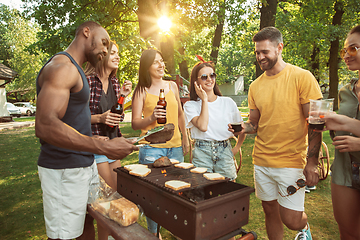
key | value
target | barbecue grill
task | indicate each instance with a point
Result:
(207, 210)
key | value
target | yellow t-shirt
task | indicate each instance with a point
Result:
(281, 140)
(171, 117)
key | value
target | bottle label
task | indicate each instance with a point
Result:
(121, 99)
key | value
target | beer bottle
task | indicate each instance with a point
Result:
(117, 108)
(162, 102)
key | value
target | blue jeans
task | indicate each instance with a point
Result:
(148, 154)
(102, 158)
(216, 156)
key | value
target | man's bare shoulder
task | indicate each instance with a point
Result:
(60, 68)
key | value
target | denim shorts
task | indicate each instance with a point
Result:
(148, 154)
(216, 156)
(102, 158)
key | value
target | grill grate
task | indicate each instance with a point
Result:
(208, 210)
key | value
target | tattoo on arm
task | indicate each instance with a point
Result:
(251, 127)
(315, 148)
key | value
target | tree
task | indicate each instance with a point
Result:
(218, 31)
(334, 53)
(18, 35)
(267, 18)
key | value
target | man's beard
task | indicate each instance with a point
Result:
(92, 57)
(270, 63)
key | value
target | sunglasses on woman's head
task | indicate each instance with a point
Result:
(292, 190)
(352, 50)
(204, 77)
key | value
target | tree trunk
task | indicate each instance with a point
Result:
(167, 49)
(167, 40)
(184, 72)
(218, 32)
(147, 16)
(315, 63)
(267, 18)
(334, 55)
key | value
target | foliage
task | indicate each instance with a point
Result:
(5, 50)
(303, 30)
(194, 23)
(18, 35)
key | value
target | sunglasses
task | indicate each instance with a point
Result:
(352, 50)
(292, 190)
(204, 77)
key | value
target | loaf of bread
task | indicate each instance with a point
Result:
(123, 211)
(184, 165)
(141, 172)
(198, 170)
(131, 167)
(177, 185)
(102, 207)
(213, 176)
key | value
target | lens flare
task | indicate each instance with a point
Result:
(164, 23)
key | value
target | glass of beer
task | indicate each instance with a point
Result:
(318, 110)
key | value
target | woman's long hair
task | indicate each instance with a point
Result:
(101, 66)
(194, 77)
(146, 60)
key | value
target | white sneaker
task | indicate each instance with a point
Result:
(304, 234)
(311, 188)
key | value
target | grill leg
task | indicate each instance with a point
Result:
(158, 231)
(247, 235)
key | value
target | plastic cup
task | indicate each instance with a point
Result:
(236, 126)
(318, 110)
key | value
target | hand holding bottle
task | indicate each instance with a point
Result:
(126, 88)
(161, 105)
(111, 119)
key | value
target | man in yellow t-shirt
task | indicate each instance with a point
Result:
(279, 105)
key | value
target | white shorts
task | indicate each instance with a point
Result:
(65, 198)
(270, 181)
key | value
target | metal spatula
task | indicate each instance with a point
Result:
(151, 131)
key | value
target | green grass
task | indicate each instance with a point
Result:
(24, 119)
(21, 214)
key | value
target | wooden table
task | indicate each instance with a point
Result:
(132, 232)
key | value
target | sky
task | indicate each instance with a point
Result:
(12, 3)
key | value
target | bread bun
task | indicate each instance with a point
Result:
(141, 172)
(177, 185)
(213, 176)
(198, 170)
(184, 165)
(131, 167)
(174, 161)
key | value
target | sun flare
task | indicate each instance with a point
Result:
(164, 23)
